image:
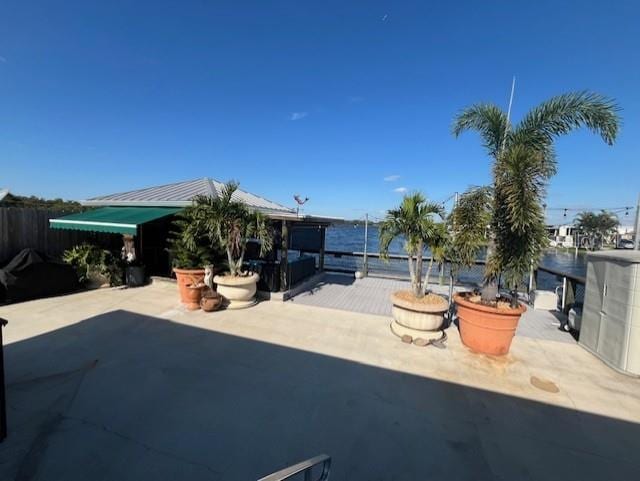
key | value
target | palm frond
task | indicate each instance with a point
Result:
(486, 119)
(468, 224)
(564, 113)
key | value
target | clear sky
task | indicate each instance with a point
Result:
(322, 98)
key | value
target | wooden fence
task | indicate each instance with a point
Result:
(21, 228)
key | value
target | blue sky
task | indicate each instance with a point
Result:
(325, 99)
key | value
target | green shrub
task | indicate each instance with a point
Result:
(189, 246)
(88, 259)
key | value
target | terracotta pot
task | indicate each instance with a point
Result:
(186, 277)
(211, 301)
(413, 317)
(485, 329)
(237, 291)
(194, 295)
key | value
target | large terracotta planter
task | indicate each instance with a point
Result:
(486, 329)
(238, 292)
(413, 316)
(186, 277)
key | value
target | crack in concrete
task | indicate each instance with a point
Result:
(147, 447)
(29, 464)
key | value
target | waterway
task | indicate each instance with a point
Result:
(351, 238)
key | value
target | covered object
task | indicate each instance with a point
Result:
(31, 275)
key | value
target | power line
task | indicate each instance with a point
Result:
(591, 208)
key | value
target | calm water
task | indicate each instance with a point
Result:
(351, 238)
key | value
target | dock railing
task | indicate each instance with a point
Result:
(305, 467)
(569, 287)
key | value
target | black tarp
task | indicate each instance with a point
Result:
(31, 275)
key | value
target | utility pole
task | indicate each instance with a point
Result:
(636, 229)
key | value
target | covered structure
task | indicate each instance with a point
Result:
(147, 215)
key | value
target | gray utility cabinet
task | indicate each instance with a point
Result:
(611, 314)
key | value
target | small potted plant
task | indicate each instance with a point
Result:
(96, 267)
(417, 310)
(511, 209)
(230, 224)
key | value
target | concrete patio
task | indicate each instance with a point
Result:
(126, 385)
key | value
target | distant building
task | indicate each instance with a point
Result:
(3, 193)
(561, 235)
(625, 231)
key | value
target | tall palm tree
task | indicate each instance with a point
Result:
(597, 227)
(523, 162)
(414, 220)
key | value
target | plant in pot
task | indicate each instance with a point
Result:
(511, 209)
(417, 310)
(231, 224)
(190, 250)
(96, 267)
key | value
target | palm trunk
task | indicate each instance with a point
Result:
(425, 284)
(489, 290)
(419, 289)
(241, 259)
(412, 274)
(232, 266)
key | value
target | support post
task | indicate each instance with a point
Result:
(365, 260)
(323, 235)
(636, 229)
(284, 256)
(532, 280)
(3, 401)
(569, 295)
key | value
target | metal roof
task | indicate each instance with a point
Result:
(181, 194)
(3, 193)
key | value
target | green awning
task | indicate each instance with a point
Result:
(117, 220)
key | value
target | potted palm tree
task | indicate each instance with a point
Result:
(229, 223)
(523, 163)
(416, 310)
(191, 250)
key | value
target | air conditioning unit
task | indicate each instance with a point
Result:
(611, 313)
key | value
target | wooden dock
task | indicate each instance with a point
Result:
(371, 296)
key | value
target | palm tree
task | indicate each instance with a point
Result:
(414, 220)
(230, 224)
(468, 225)
(523, 163)
(596, 227)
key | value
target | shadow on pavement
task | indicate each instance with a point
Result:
(122, 396)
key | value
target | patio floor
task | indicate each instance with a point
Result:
(126, 385)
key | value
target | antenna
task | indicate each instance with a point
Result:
(513, 88)
(506, 128)
(300, 201)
